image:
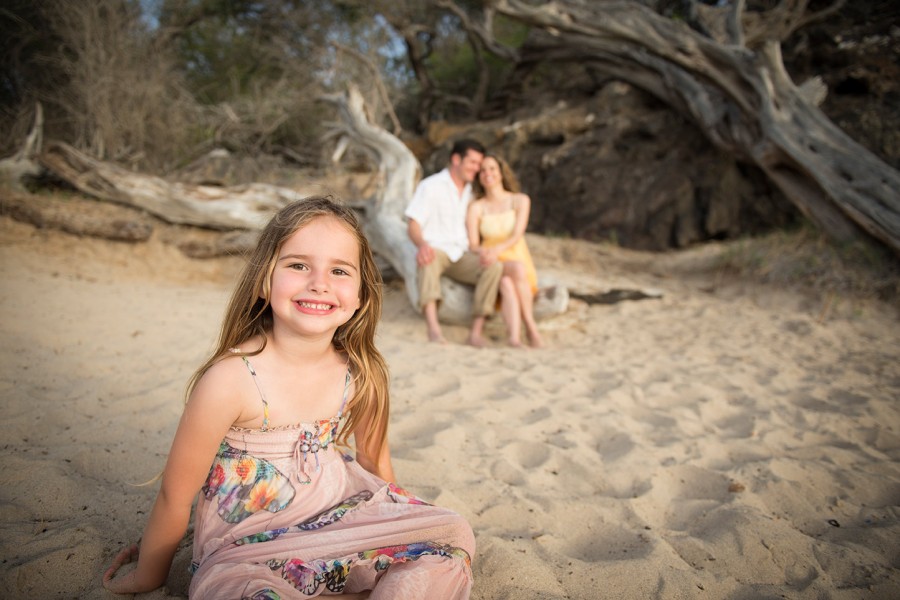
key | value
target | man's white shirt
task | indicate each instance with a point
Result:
(440, 210)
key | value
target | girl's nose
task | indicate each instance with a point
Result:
(318, 281)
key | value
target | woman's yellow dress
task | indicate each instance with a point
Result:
(498, 227)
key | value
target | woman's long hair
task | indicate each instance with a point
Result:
(249, 315)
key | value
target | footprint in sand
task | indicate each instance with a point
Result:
(503, 471)
(613, 445)
(607, 543)
(528, 455)
(536, 415)
(688, 492)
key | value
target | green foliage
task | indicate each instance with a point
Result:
(453, 65)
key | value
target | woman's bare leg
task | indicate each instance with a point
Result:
(526, 302)
(509, 309)
(515, 270)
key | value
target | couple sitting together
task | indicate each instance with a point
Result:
(479, 242)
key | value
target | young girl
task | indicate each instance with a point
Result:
(282, 513)
(496, 223)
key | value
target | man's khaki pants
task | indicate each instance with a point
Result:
(467, 269)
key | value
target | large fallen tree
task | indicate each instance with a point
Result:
(248, 207)
(725, 73)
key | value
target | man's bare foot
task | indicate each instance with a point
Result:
(437, 337)
(476, 341)
(515, 344)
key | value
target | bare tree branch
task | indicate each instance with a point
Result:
(379, 83)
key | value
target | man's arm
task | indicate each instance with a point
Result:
(425, 253)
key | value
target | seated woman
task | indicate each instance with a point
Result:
(496, 222)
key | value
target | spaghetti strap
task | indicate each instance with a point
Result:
(262, 396)
(265, 423)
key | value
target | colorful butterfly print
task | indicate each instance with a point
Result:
(307, 577)
(385, 557)
(244, 485)
(401, 496)
(264, 594)
(263, 536)
(336, 577)
(295, 572)
(335, 513)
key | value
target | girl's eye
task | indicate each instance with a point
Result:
(340, 272)
(298, 267)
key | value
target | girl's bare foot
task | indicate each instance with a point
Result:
(534, 339)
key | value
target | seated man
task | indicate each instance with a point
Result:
(437, 226)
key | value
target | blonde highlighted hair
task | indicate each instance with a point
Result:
(249, 315)
(510, 182)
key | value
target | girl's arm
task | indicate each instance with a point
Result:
(522, 206)
(377, 465)
(210, 411)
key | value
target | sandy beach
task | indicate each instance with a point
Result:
(726, 440)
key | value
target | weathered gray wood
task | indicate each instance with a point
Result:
(16, 169)
(740, 97)
(241, 207)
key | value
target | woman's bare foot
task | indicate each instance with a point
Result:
(534, 339)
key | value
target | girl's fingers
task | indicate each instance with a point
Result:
(125, 556)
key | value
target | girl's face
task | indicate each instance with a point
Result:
(317, 278)
(490, 174)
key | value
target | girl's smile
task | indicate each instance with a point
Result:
(314, 306)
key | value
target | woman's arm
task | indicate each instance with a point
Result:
(473, 216)
(210, 411)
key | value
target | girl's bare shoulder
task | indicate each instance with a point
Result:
(228, 377)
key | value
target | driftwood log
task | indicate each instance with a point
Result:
(238, 207)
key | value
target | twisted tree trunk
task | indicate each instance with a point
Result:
(741, 98)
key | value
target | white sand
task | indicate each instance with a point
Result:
(725, 441)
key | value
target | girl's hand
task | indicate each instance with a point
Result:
(127, 583)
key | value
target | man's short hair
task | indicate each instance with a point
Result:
(463, 146)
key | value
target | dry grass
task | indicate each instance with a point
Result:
(805, 259)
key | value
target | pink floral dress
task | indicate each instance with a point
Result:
(285, 514)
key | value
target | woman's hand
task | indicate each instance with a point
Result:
(488, 256)
(127, 583)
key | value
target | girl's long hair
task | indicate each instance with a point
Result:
(249, 315)
(510, 181)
